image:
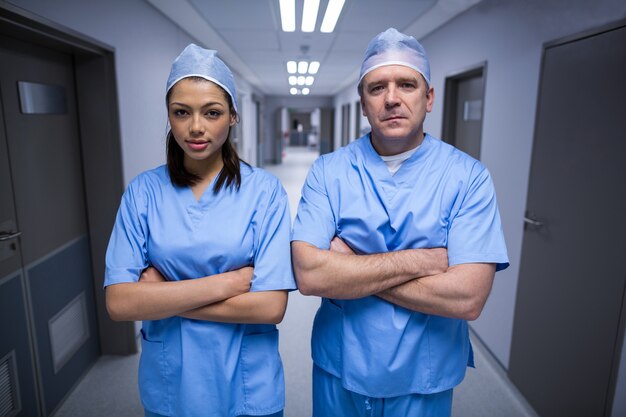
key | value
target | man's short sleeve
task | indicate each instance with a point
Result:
(475, 233)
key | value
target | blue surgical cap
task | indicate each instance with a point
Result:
(195, 61)
(394, 48)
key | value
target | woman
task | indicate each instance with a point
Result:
(200, 253)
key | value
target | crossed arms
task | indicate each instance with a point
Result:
(416, 279)
(222, 297)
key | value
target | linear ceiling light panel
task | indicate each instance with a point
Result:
(332, 15)
(309, 15)
(288, 15)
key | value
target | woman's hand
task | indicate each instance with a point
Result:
(151, 274)
(241, 279)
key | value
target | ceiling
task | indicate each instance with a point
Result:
(247, 35)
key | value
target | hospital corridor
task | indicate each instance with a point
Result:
(146, 141)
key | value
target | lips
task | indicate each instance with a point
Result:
(197, 146)
(391, 118)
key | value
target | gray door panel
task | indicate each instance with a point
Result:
(44, 149)
(468, 124)
(572, 275)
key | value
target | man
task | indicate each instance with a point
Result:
(401, 236)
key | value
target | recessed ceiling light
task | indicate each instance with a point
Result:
(332, 15)
(309, 80)
(288, 15)
(301, 80)
(303, 66)
(309, 15)
(293, 80)
(292, 67)
(314, 66)
(293, 91)
(305, 91)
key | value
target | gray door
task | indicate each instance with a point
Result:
(567, 330)
(464, 98)
(45, 174)
(17, 371)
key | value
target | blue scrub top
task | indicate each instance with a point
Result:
(440, 197)
(193, 367)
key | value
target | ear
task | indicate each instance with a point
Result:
(233, 119)
(430, 99)
(362, 106)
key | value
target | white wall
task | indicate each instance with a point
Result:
(145, 44)
(508, 35)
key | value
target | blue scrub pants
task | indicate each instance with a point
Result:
(331, 399)
(151, 414)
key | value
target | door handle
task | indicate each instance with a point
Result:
(533, 222)
(9, 236)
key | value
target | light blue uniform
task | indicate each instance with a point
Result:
(440, 197)
(202, 368)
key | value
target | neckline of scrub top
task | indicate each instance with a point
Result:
(404, 173)
(196, 208)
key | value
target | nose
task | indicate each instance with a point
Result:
(391, 97)
(197, 125)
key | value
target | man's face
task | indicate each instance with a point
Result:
(395, 100)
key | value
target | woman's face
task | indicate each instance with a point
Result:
(200, 118)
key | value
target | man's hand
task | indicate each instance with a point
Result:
(339, 246)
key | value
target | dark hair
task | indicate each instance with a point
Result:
(230, 175)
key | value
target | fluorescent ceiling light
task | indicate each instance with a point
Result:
(302, 67)
(309, 15)
(301, 80)
(332, 15)
(288, 15)
(314, 66)
(293, 91)
(305, 91)
(292, 67)
(309, 80)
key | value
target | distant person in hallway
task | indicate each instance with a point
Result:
(200, 253)
(400, 234)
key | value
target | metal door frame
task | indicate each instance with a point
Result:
(450, 97)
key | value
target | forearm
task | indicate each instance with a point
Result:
(158, 300)
(460, 292)
(328, 273)
(252, 308)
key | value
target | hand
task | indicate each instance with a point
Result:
(339, 246)
(151, 274)
(240, 280)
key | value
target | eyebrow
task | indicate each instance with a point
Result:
(208, 104)
(391, 79)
